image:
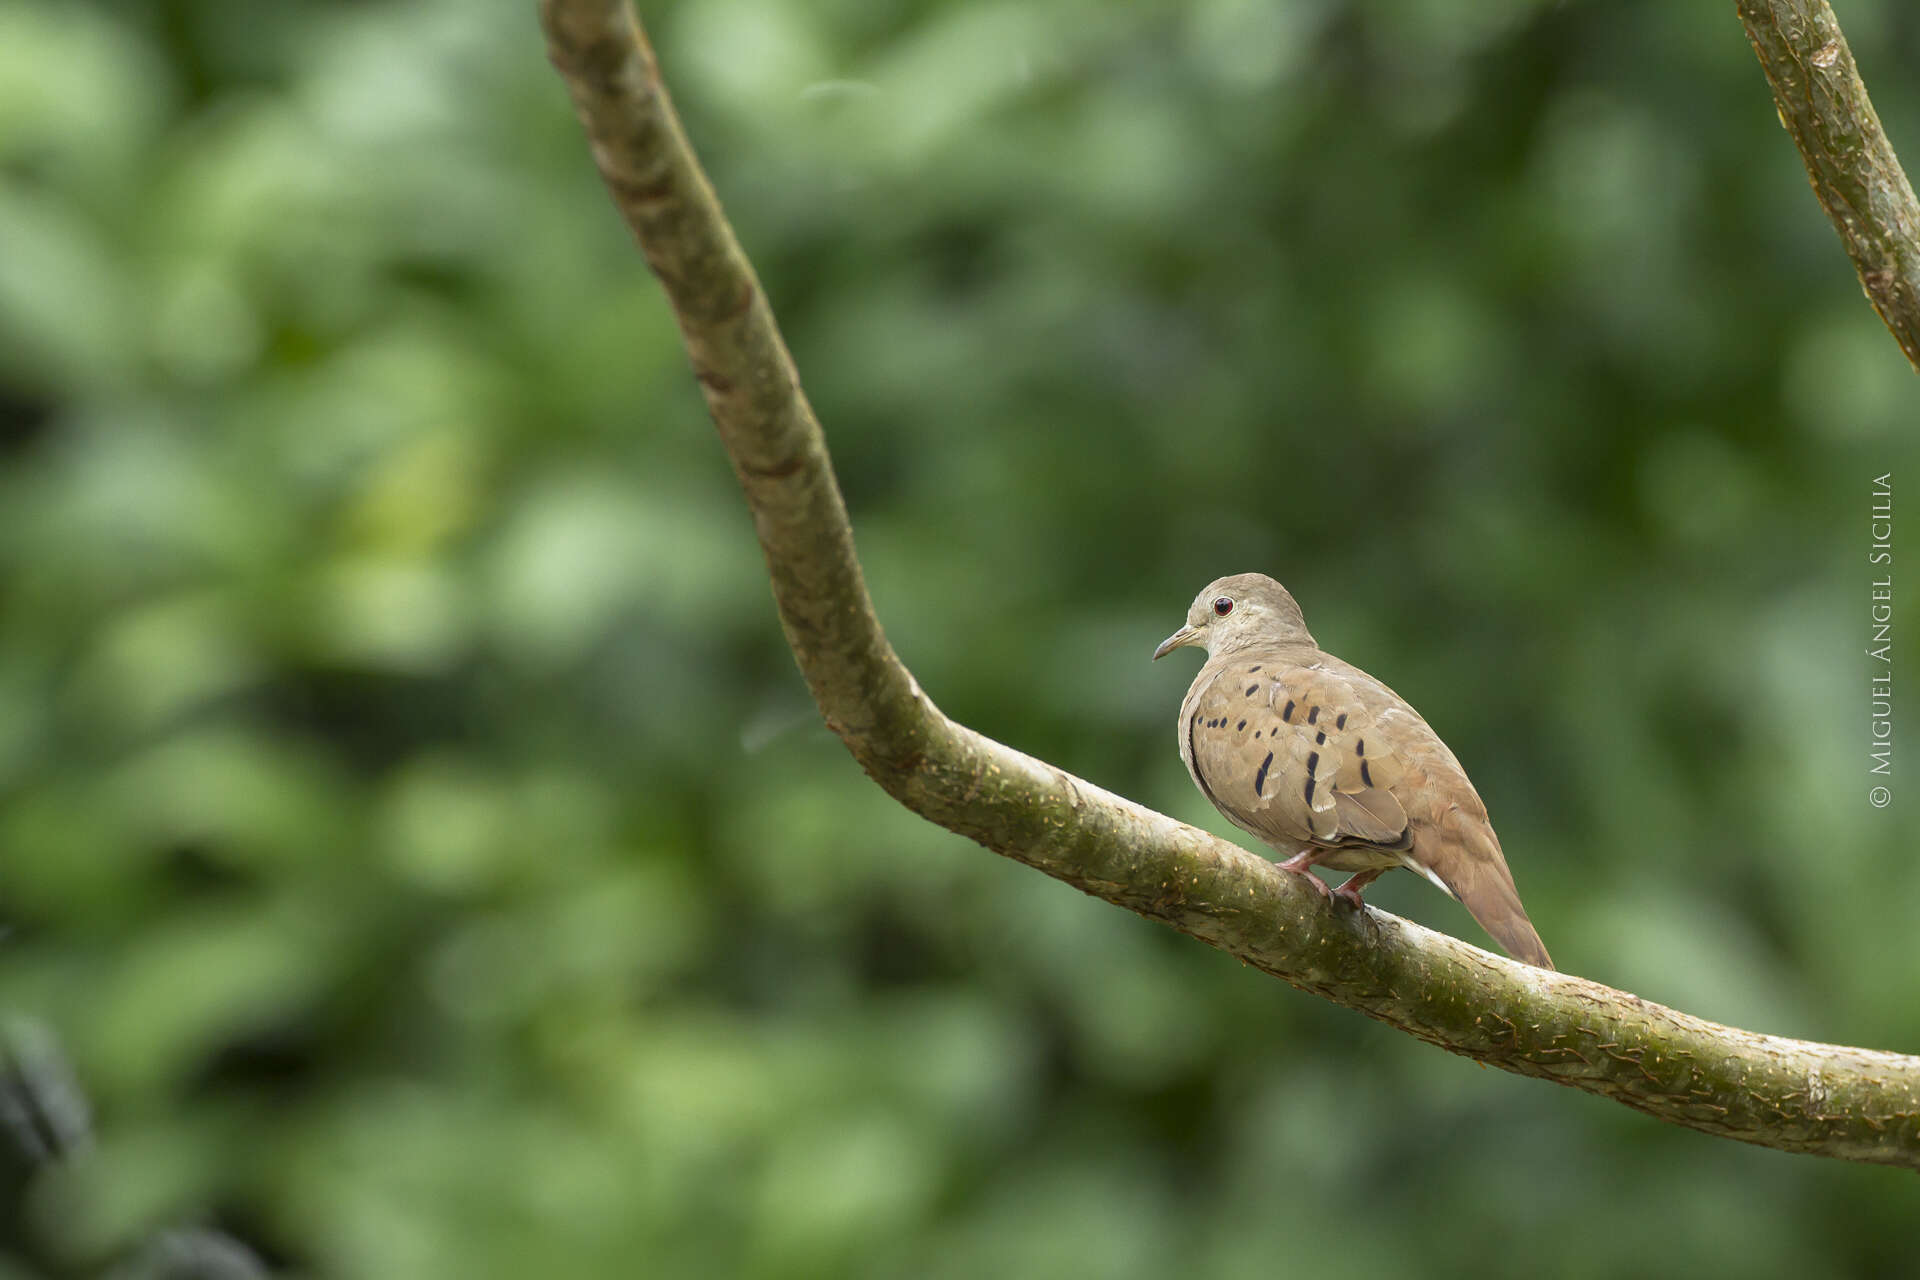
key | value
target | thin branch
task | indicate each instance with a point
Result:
(1855, 1104)
(1855, 175)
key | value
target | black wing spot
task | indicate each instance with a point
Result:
(1309, 791)
(1320, 738)
(1313, 762)
(1313, 714)
(1199, 775)
(1341, 723)
(1287, 714)
(1237, 728)
(1366, 777)
(1253, 689)
(1260, 778)
(1256, 734)
(1252, 670)
(1360, 747)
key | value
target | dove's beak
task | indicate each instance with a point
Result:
(1185, 635)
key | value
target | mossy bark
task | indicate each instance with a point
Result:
(1855, 174)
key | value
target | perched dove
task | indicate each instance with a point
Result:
(1323, 762)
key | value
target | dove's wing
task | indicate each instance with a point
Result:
(1283, 750)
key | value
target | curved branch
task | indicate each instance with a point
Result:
(1855, 175)
(1855, 1104)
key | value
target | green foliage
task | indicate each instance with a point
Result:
(412, 824)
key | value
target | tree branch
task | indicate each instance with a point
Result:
(1855, 175)
(1855, 1104)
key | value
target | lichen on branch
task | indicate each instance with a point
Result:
(1855, 175)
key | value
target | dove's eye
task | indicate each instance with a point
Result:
(1223, 606)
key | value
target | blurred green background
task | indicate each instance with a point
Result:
(415, 830)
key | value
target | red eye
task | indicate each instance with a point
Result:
(1223, 606)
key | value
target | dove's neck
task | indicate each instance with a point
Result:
(1297, 644)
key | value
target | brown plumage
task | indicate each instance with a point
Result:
(1323, 762)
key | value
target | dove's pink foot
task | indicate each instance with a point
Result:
(1356, 882)
(1301, 864)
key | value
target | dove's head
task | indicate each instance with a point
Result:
(1241, 612)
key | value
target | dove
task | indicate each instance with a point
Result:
(1327, 765)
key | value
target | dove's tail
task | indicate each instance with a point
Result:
(1466, 860)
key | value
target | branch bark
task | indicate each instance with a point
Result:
(1856, 1104)
(1854, 172)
